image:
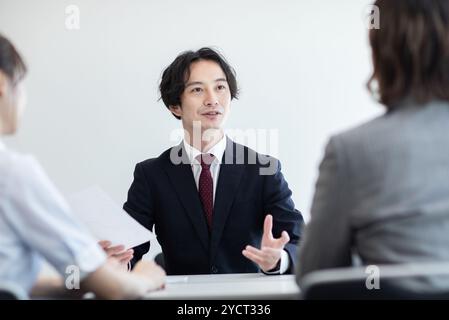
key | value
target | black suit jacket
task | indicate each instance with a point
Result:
(164, 195)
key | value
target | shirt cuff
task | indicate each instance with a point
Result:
(283, 265)
(89, 260)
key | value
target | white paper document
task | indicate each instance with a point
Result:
(106, 220)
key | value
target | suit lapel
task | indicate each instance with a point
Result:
(183, 182)
(228, 182)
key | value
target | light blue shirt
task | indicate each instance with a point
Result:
(36, 224)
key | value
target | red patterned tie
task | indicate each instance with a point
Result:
(206, 186)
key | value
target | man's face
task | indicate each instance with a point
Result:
(206, 97)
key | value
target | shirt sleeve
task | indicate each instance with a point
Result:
(42, 220)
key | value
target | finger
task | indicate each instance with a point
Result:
(265, 255)
(119, 248)
(268, 226)
(104, 243)
(126, 260)
(115, 250)
(129, 252)
(254, 250)
(122, 259)
(123, 255)
(285, 238)
(252, 257)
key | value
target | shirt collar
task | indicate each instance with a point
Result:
(217, 150)
(2, 146)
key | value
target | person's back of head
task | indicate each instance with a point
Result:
(410, 51)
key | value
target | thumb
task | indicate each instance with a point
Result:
(285, 238)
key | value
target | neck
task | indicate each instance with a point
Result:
(207, 140)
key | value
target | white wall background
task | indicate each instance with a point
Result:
(93, 111)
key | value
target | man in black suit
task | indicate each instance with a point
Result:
(217, 206)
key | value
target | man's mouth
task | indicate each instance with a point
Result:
(211, 113)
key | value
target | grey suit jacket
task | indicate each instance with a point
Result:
(383, 194)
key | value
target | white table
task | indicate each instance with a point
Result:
(228, 286)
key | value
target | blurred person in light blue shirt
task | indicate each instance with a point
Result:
(36, 223)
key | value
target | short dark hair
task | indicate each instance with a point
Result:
(177, 73)
(410, 51)
(11, 63)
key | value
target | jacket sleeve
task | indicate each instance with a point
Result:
(278, 203)
(139, 205)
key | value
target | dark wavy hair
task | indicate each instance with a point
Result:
(11, 63)
(177, 73)
(410, 51)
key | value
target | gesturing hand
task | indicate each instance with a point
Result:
(269, 254)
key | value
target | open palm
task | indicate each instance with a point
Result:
(267, 257)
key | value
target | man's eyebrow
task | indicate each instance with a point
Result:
(188, 84)
(194, 83)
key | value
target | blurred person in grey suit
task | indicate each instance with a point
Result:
(383, 187)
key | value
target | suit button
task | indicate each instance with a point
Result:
(214, 269)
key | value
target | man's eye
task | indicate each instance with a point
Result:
(197, 90)
(221, 87)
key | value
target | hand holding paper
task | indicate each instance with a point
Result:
(119, 253)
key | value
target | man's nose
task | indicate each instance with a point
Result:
(211, 99)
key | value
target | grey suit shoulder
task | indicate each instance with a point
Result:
(392, 175)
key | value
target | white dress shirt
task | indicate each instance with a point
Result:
(218, 150)
(36, 224)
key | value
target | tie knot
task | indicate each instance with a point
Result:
(205, 159)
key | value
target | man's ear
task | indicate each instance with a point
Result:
(176, 110)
